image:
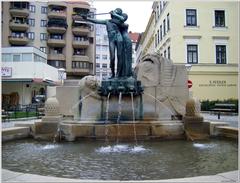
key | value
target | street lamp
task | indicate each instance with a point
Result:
(61, 75)
(188, 67)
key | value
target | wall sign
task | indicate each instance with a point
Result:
(217, 83)
(6, 71)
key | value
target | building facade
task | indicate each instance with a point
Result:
(52, 28)
(102, 53)
(134, 38)
(203, 35)
(25, 74)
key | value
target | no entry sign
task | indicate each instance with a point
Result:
(189, 84)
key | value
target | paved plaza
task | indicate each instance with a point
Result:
(232, 120)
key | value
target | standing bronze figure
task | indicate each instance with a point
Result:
(118, 40)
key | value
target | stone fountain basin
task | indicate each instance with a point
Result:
(71, 130)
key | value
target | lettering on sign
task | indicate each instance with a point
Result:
(6, 71)
(217, 83)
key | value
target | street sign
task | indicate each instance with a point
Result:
(189, 84)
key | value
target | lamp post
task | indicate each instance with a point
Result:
(188, 67)
(61, 75)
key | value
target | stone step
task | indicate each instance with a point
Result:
(227, 131)
(15, 133)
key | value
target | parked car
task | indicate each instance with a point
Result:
(39, 99)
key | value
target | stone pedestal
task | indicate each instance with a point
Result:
(47, 129)
(194, 126)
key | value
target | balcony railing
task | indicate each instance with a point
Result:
(19, 40)
(57, 14)
(56, 42)
(17, 25)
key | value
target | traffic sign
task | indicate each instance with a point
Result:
(190, 84)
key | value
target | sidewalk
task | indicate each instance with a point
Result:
(11, 123)
(231, 120)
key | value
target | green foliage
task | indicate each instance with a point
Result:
(207, 105)
(20, 114)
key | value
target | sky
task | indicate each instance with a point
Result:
(138, 12)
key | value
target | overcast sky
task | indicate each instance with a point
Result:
(138, 12)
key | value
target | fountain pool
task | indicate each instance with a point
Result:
(123, 161)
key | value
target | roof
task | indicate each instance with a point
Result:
(134, 36)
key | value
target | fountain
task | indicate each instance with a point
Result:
(129, 118)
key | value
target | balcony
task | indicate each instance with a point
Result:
(18, 26)
(81, 5)
(79, 71)
(56, 25)
(57, 3)
(54, 56)
(57, 14)
(80, 44)
(18, 40)
(56, 43)
(19, 12)
(56, 29)
(82, 30)
(80, 58)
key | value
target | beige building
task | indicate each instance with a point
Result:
(50, 27)
(203, 35)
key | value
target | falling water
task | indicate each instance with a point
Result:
(107, 109)
(133, 114)
(119, 114)
(82, 99)
(58, 134)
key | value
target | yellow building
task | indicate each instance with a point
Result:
(203, 35)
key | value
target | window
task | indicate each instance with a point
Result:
(98, 47)
(165, 53)
(97, 56)
(164, 27)
(158, 36)
(43, 36)
(192, 54)
(97, 65)
(219, 18)
(168, 22)
(44, 10)
(31, 22)
(79, 51)
(169, 52)
(105, 38)
(16, 58)
(56, 36)
(57, 51)
(191, 17)
(221, 54)
(57, 63)
(31, 35)
(26, 57)
(155, 40)
(104, 48)
(161, 32)
(6, 57)
(104, 65)
(160, 6)
(104, 57)
(43, 49)
(43, 23)
(32, 8)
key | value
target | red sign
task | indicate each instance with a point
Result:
(189, 84)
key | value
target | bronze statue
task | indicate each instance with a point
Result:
(118, 39)
(115, 40)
